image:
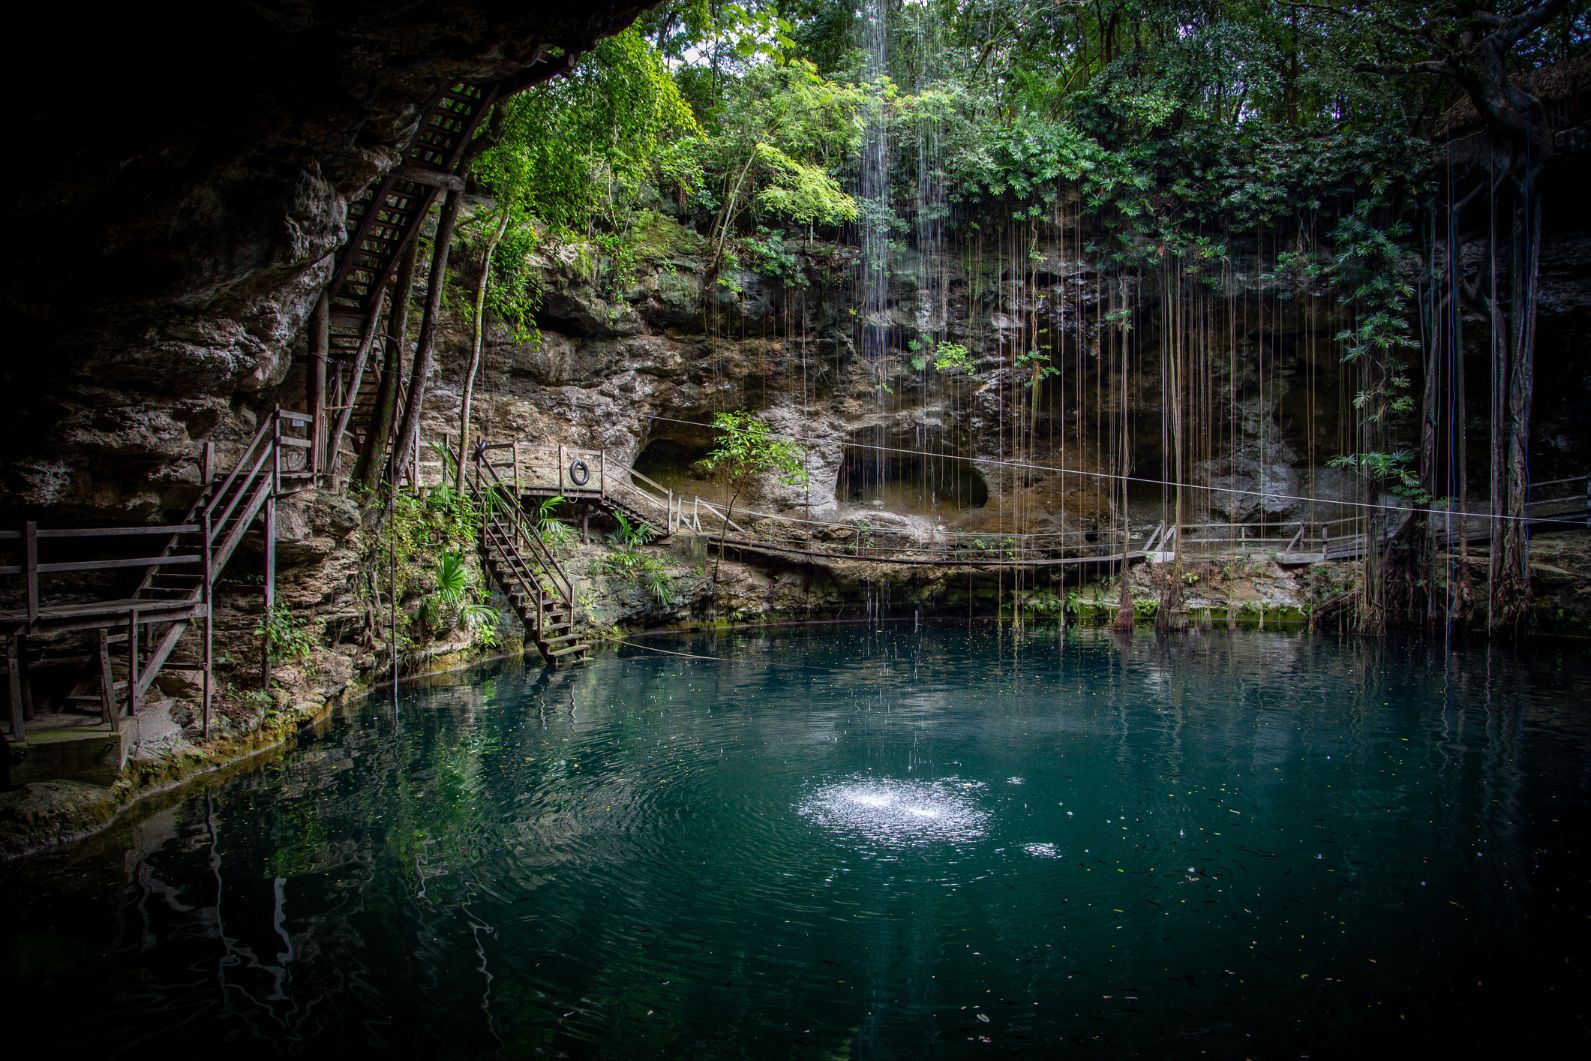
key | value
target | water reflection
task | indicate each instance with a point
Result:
(1239, 833)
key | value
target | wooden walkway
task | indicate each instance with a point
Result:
(542, 471)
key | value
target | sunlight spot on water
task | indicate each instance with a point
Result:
(898, 813)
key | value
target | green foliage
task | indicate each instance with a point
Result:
(452, 578)
(286, 636)
(777, 145)
(745, 448)
(555, 532)
(1036, 363)
(482, 620)
(799, 192)
(567, 161)
(952, 357)
(421, 554)
(628, 562)
(1394, 470)
(773, 256)
(570, 148)
(454, 601)
(630, 536)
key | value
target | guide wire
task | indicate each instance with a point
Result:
(1115, 477)
(661, 651)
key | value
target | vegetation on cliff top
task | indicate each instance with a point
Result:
(1178, 135)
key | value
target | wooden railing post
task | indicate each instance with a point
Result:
(207, 589)
(132, 664)
(560, 467)
(602, 472)
(319, 347)
(30, 567)
(276, 451)
(19, 734)
(270, 591)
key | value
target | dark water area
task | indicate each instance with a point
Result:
(848, 842)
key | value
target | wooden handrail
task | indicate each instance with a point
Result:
(265, 429)
(117, 532)
(544, 555)
(106, 565)
(242, 489)
(1560, 482)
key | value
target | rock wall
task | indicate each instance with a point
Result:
(189, 171)
(637, 371)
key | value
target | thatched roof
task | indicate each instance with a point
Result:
(1562, 88)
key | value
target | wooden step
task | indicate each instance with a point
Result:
(94, 699)
(568, 651)
(571, 636)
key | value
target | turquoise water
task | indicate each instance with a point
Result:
(846, 842)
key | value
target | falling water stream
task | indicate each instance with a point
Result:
(898, 841)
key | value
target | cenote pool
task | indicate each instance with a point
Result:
(853, 842)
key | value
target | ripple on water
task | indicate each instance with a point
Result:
(895, 814)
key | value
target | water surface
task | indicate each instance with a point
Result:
(840, 841)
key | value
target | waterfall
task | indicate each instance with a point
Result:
(875, 187)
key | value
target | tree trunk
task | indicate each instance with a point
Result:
(372, 458)
(1513, 586)
(409, 427)
(477, 338)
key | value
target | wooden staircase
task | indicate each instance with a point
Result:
(138, 632)
(381, 223)
(521, 562)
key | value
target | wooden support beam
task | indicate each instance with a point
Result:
(319, 346)
(431, 178)
(208, 591)
(270, 590)
(27, 688)
(107, 681)
(276, 452)
(132, 664)
(19, 733)
(206, 468)
(30, 567)
(355, 383)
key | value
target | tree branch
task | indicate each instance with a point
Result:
(1424, 66)
(1530, 19)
